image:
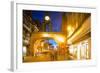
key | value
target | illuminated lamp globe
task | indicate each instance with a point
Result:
(47, 18)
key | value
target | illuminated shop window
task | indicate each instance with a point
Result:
(24, 50)
(80, 50)
(83, 50)
(73, 51)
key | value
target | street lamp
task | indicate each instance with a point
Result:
(47, 25)
(47, 18)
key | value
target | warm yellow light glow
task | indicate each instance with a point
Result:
(70, 33)
(45, 35)
(69, 42)
(24, 50)
(60, 38)
(47, 18)
(69, 28)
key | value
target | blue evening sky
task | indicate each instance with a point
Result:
(56, 18)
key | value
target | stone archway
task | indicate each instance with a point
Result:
(37, 38)
(43, 45)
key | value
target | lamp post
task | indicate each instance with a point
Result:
(47, 23)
